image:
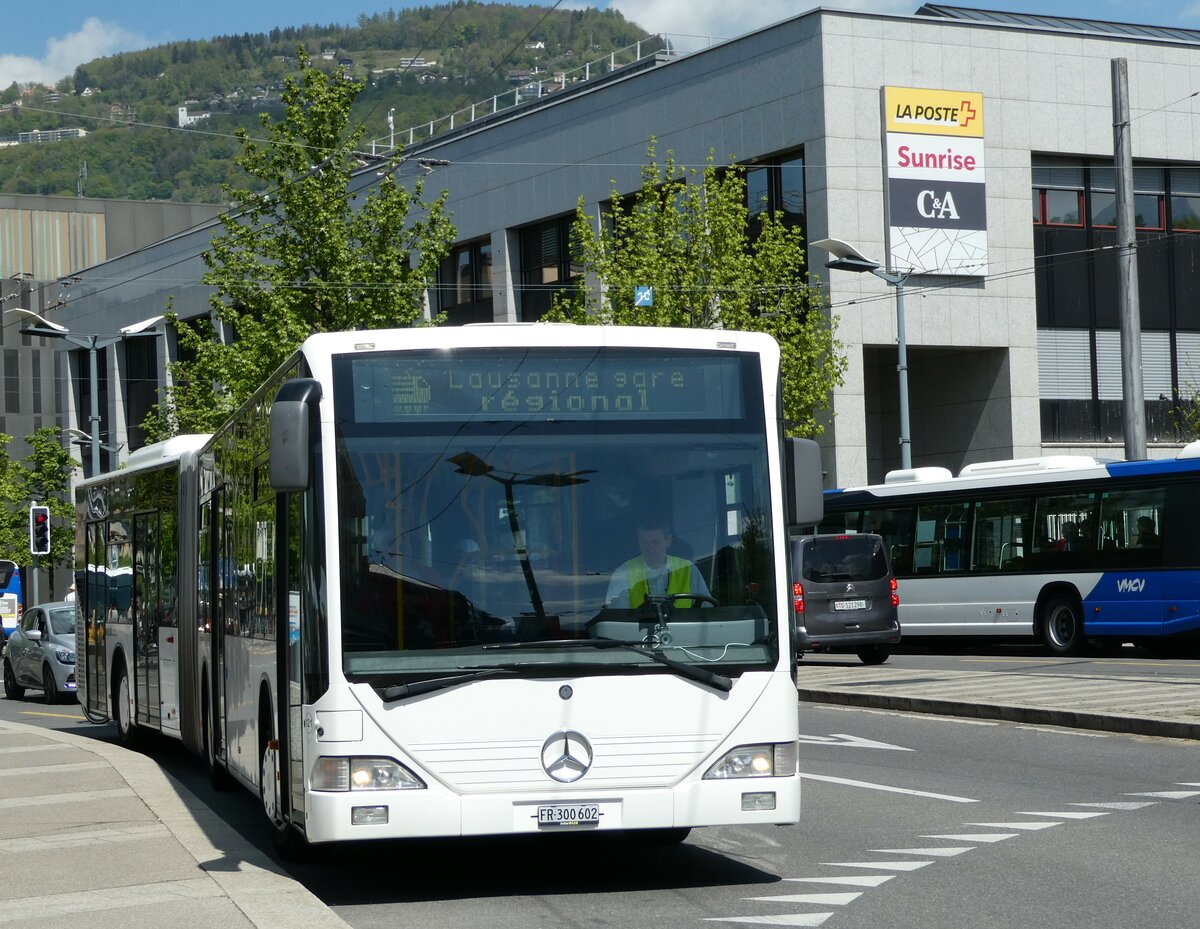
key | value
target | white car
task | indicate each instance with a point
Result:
(41, 653)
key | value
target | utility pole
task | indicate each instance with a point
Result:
(1133, 406)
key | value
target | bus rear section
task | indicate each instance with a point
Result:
(12, 603)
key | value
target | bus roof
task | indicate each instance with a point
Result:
(1018, 471)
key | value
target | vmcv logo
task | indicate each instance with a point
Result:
(1131, 585)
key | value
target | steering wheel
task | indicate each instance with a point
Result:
(702, 598)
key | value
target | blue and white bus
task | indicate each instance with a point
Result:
(1062, 549)
(11, 600)
(378, 597)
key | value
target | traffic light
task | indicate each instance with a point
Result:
(39, 530)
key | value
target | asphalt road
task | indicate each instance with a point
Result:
(909, 821)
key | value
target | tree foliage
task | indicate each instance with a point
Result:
(312, 256)
(711, 266)
(45, 477)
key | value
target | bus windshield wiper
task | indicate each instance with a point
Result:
(682, 668)
(394, 692)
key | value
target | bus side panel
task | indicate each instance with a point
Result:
(994, 605)
(1125, 603)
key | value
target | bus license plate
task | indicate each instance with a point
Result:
(849, 604)
(567, 815)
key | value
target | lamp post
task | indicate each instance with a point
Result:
(93, 343)
(848, 258)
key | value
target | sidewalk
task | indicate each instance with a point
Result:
(1142, 705)
(90, 832)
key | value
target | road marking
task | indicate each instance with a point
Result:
(818, 899)
(895, 790)
(1120, 805)
(1167, 794)
(1030, 827)
(799, 919)
(852, 880)
(948, 851)
(853, 741)
(53, 768)
(881, 865)
(975, 837)
(1069, 814)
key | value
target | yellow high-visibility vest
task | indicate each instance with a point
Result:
(679, 580)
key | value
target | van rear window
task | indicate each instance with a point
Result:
(843, 558)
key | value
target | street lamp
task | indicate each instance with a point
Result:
(93, 343)
(848, 258)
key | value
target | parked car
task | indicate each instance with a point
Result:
(40, 653)
(844, 595)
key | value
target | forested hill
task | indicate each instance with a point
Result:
(425, 63)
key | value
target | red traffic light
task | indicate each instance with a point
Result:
(39, 530)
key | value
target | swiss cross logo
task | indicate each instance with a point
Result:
(966, 113)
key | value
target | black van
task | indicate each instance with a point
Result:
(844, 595)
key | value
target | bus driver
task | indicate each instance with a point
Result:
(654, 572)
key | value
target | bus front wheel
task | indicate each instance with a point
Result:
(127, 729)
(289, 843)
(1062, 626)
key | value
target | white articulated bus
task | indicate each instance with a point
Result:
(380, 596)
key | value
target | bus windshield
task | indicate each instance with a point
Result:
(487, 497)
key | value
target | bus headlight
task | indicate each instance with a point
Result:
(770, 760)
(330, 773)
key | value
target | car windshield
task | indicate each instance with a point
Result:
(459, 532)
(62, 621)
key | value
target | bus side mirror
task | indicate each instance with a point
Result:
(292, 414)
(805, 482)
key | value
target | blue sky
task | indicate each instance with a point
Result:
(50, 43)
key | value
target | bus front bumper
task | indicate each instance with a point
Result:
(394, 814)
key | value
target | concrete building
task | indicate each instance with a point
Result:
(1011, 319)
(45, 245)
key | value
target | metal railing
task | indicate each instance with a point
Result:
(537, 86)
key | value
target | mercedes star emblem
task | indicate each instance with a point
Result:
(566, 756)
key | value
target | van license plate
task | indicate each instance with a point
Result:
(849, 604)
(568, 815)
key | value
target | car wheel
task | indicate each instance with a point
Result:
(874, 654)
(12, 690)
(1062, 626)
(49, 685)
(127, 730)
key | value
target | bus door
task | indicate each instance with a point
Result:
(94, 595)
(146, 618)
(222, 611)
(288, 669)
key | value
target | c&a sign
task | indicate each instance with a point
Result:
(936, 196)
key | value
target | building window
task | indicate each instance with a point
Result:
(141, 386)
(777, 187)
(464, 290)
(1076, 284)
(546, 265)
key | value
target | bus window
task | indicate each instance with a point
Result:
(999, 535)
(1130, 527)
(895, 525)
(1065, 531)
(941, 538)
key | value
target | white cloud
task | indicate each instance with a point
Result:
(725, 19)
(94, 40)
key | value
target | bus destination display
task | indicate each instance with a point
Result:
(501, 386)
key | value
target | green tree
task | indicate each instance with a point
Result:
(711, 266)
(45, 477)
(310, 256)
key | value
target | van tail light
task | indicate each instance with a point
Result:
(798, 597)
(895, 595)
